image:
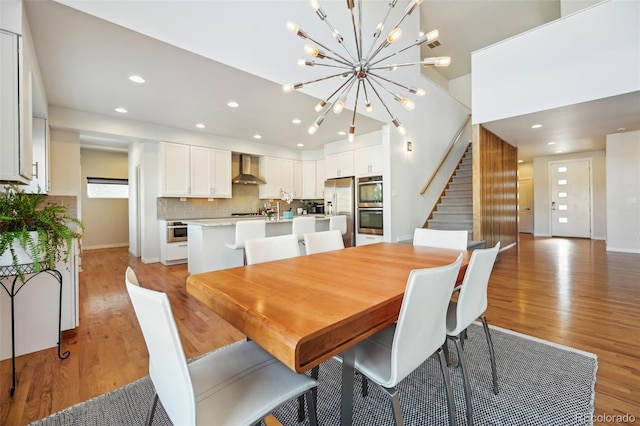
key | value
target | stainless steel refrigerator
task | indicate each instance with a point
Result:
(339, 199)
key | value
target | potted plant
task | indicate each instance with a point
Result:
(43, 231)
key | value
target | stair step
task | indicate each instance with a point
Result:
(464, 172)
(459, 186)
(446, 226)
(459, 193)
(451, 200)
(454, 208)
(457, 217)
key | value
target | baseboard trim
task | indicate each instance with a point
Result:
(104, 246)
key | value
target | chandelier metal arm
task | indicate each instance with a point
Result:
(390, 81)
(299, 85)
(336, 91)
(380, 98)
(355, 29)
(408, 11)
(336, 34)
(380, 26)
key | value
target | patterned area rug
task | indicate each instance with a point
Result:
(540, 383)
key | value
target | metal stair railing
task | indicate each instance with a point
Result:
(455, 140)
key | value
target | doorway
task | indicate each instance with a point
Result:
(525, 206)
(570, 195)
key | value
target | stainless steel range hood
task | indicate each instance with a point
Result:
(245, 175)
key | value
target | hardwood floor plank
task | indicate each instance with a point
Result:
(569, 291)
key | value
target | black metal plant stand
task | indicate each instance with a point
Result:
(16, 285)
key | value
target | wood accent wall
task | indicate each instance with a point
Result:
(495, 189)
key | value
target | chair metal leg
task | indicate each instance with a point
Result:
(152, 410)
(492, 354)
(395, 405)
(315, 371)
(365, 386)
(311, 403)
(449, 389)
(465, 379)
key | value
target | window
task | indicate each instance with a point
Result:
(107, 188)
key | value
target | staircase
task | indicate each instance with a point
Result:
(454, 211)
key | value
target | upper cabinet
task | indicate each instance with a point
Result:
(210, 172)
(15, 111)
(339, 165)
(191, 171)
(278, 175)
(40, 181)
(313, 176)
(368, 160)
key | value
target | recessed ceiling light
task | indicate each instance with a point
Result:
(559, 151)
(342, 133)
(536, 126)
(200, 126)
(622, 129)
(233, 104)
(136, 78)
(296, 121)
(257, 136)
(300, 144)
(551, 143)
(121, 110)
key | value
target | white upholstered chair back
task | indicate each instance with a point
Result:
(454, 240)
(261, 250)
(318, 242)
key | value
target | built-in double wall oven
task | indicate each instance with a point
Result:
(370, 205)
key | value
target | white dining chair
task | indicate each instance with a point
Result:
(338, 222)
(318, 242)
(446, 239)
(245, 230)
(303, 225)
(266, 249)
(239, 384)
(471, 305)
(392, 354)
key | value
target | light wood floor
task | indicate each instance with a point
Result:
(569, 291)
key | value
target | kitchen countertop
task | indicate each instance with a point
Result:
(230, 221)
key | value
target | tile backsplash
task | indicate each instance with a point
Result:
(245, 200)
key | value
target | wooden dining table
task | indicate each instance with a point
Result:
(307, 309)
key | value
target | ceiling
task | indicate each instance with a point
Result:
(85, 62)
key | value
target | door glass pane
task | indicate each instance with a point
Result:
(563, 220)
(562, 195)
(562, 169)
(562, 181)
(562, 207)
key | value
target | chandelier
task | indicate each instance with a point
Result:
(362, 67)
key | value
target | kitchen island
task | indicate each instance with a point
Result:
(207, 238)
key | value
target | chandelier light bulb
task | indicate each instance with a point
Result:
(432, 35)
(293, 27)
(418, 91)
(379, 28)
(320, 105)
(315, 4)
(286, 88)
(305, 63)
(311, 50)
(394, 35)
(336, 34)
(352, 133)
(314, 127)
(443, 61)
(368, 106)
(408, 104)
(339, 105)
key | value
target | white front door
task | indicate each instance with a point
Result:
(525, 206)
(570, 187)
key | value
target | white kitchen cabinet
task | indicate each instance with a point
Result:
(313, 176)
(364, 239)
(15, 111)
(297, 179)
(210, 172)
(40, 179)
(368, 160)
(339, 165)
(41, 295)
(173, 170)
(193, 171)
(278, 175)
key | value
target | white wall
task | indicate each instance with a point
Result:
(592, 54)
(541, 197)
(623, 192)
(64, 166)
